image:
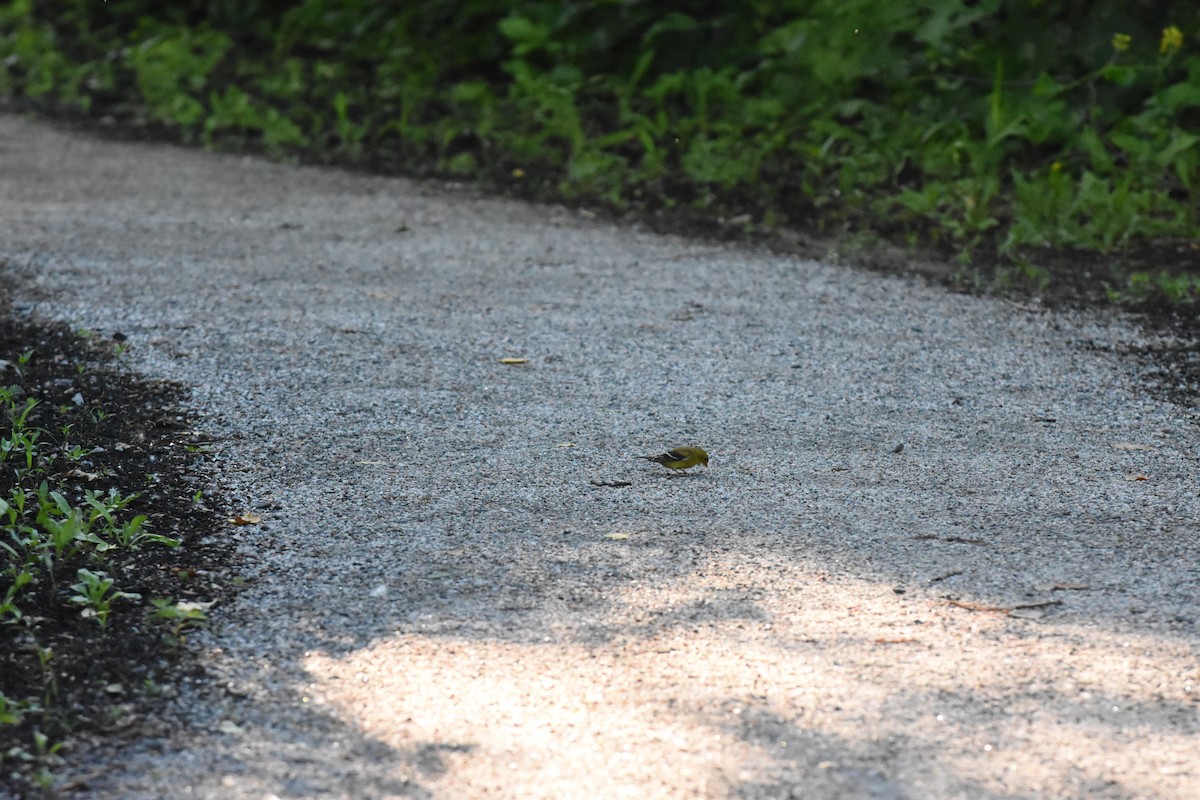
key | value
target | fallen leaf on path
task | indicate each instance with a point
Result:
(514, 361)
(1136, 477)
(246, 518)
(195, 605)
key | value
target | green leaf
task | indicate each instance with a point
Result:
(1121, 76)
(526, 35)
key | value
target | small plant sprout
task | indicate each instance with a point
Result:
(74, 452)
(95, 592)
(9, 612)
(179, 618)
(22, 361)
(67, 528)
(106, 525)
(18, 442)
(13, 711)
(45, 657)
(46, 755)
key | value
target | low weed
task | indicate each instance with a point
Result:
(71, 540)
(178, 618)
(94, 591)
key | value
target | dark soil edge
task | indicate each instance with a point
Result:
(109, 687)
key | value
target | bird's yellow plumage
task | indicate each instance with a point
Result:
(680, 458)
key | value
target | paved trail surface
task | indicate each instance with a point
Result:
(442, 603)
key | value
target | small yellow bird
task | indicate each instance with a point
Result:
(680, 458)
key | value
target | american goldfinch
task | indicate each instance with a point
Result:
(680, 458)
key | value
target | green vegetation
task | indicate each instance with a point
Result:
(994, 131)
(74, 546)
(998, 125)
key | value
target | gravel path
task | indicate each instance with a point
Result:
(443, 603)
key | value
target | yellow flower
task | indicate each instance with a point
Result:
(1172, 40)
(1121, 42)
